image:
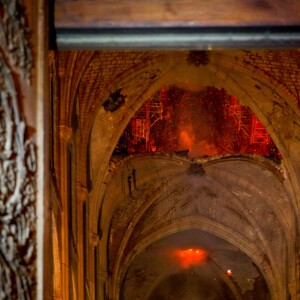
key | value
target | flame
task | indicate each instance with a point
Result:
(206, 148)
(188, 140)
(190, 257)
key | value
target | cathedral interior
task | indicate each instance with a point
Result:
(175, 174)
(150, 150)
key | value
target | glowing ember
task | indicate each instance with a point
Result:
(190, 257)
(229, 272)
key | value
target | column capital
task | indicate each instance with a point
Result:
(94, 239)
(65, 132)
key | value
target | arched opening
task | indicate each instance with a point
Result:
(221, 194)
(193, 84)
(184, 141)
(195, 124)
(193, 264)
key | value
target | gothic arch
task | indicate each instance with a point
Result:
(277, 291)
(271, 104)
(105, 131)
(135, 229)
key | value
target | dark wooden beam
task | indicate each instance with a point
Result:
(199, 24)
(157, 13)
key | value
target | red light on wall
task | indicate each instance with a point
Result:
(190, 257)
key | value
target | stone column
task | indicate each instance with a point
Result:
(93, 244)
(65, 134)
(81, 192)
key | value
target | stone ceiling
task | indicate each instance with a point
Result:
(170, 268)
(228, 197)
(140, 203)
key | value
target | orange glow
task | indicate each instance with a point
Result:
(229, 272)
(206, 123)
(187, 138)
(190, 257)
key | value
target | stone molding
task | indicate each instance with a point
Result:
(14, 36)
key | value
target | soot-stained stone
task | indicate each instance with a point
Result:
(114, 101)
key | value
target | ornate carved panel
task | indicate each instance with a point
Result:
(17, 162)
(14, 35)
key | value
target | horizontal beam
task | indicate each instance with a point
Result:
(175, 13)
(201, 38)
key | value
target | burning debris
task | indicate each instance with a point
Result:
(195, 124)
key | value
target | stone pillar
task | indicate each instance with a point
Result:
(65, 134)
(93, 244)
(81, 192)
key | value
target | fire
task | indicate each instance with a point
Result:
(190, 257)
(187, 138)
(196, 147)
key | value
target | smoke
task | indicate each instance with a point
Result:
(187, 138)
(197, 147)
(206, 148)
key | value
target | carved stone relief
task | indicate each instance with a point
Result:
(17, 163)
(17, 197)
(14, 35)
